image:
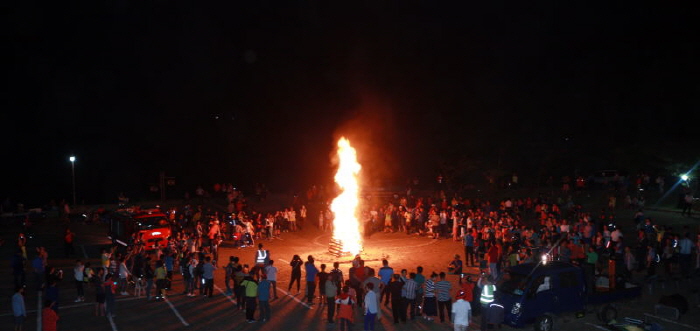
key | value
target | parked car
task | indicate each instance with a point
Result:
(537, 293)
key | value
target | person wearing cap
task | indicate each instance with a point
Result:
(461, 312)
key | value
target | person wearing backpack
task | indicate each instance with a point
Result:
(336, 276)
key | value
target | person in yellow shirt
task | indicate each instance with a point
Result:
(251, 294)
(161, 275)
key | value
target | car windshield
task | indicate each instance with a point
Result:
(512, 283)
(151, 222)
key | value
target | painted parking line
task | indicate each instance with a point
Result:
(672, 321)
(295, 298)
(597, 326)
(177, 313)
(111, 322)
(226, 295)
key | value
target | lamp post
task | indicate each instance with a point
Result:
(72, 166)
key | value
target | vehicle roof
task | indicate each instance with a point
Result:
(142, 213)
(543, 269)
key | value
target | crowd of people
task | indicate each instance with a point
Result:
(491, 235)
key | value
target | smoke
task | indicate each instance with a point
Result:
(373, 129)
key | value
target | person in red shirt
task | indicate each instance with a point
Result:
(492, 257)
(49, 317)
(467, 286)
(68, 243)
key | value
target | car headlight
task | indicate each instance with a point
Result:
(516, 309)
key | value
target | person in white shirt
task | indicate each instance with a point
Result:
(79, 275)
(271, 272)
(461, 312)
(123, 275)
(616, 235)
(371, 307)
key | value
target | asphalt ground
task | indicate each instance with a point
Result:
(289, 312)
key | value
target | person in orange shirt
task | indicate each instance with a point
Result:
(49, 317)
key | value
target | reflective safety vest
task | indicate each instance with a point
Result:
(487, 294)
(261, 256)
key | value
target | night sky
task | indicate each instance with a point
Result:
(258, 91)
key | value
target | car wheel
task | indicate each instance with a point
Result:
(544, 323)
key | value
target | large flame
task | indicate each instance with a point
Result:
(346, 226)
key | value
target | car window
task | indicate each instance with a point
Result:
(568, 279)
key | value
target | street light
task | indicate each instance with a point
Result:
(684, 177)
(72, 166)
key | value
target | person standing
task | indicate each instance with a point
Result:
(371, 279)
(98, 282)
(208, 275)
(110, 289)
(687, 204)
(123, 277)
(385, 274)
(18, 269)
(493, 256)
(488, 291)
(468, 242)
(311, 272)
(79, 275)
(336, 275)
(443, 288)
(429, 301)
(345, 313)
(461, 312)
(18, 309)
(296, 272)
(331, 290)
(68, 239)
(251, 294)
(685, 249)
(160, 276)
(322, 277)
(395, 288)
(49, 317)
(264, 297)
(410, 288)
(39, 267)
(271, 273)
(189, 270)
(148, 274)
(371, 307)
(262, 260)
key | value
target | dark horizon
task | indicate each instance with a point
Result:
(226, 93)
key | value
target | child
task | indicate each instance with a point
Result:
(345, 304)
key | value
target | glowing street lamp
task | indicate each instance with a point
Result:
(72, 166)
(685, 177)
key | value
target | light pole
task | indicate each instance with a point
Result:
(72, 166)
